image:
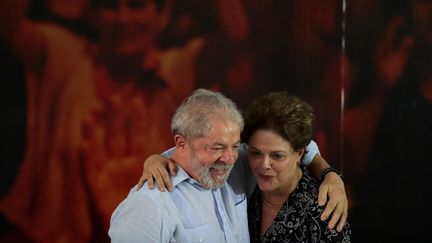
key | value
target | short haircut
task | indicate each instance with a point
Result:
(285, 114)
(193, 117)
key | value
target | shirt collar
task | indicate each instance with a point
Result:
(181, 176)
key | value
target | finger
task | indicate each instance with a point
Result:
(139, 127)
(115, 126)
(331, 205)
(141, 182)
(87, 158)
(93, 150)
(159, 180)
(336, 215)
(172, 167)
(150, 182)
(166, 179)
(342, 221)
(322, 196)
(142, 179)
(394, 25)
(388, 43)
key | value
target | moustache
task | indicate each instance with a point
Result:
(220, 166)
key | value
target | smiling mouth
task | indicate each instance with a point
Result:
(218, 172)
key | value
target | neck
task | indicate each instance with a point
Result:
(184, 163)
(267, 203)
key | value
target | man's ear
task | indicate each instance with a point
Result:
(179, 141)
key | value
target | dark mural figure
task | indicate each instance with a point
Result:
(395, 188)
(392, 203)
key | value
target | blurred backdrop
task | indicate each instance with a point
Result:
(90, 87)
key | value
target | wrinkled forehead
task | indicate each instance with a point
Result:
(223, 129)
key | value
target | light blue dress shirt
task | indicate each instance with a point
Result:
(189, 213)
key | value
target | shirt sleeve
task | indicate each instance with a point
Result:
(312, 150)
(168, 153)
(137, 219)
(241, 178)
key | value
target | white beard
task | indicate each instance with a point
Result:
(204, 173)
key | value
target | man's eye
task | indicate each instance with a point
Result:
(217, 148)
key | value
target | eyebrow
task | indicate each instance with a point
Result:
(225, 145)
(275, 151)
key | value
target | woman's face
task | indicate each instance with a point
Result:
(273, 161)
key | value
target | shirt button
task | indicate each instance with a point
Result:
(200, 240)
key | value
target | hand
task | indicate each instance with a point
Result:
(337, 206)
(110, 153)
(157, 167)
(392, 52)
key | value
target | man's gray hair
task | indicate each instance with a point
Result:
(192, 118)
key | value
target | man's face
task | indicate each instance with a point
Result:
(213, 156)
(128, 26)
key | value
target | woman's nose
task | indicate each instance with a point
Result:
(267, 162)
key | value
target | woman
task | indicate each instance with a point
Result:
(283, 207)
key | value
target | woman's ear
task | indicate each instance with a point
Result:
(300, 153)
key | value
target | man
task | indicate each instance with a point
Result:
(206, 129)
(201, 206)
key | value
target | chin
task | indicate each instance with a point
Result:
(219, 179)
(265, 186)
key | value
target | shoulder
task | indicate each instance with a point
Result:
(310, 212)
(141, 215)
(142, 202)
(304, 199)
(150, 195)
(308, 184)
(241, 178)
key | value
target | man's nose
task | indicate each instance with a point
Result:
(229, 156)
(152, 59)
(123, 12)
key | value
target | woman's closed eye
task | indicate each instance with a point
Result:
(255, 153)
(277, 156)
